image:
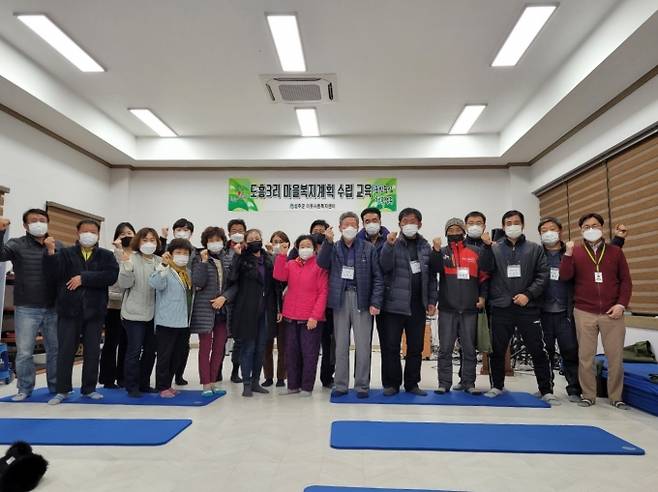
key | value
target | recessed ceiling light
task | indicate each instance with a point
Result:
(60, 41)
(525, 31)
(308, 122)
(287, 42)
(153, 122)
(467, 118)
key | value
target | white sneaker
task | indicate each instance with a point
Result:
(305, 393)
(458, 387)
(20, 397)
(94, 395)
(551, 399)
(58, 398)
(493, 393)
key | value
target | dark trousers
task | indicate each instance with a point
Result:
(386, 378)
(528, 324)
(114, 350)
(170, 347)
(559, 327)
(183, 356)
(140, 354)
(414, 328)
(328, 361)
(251, 353)
(70, 332)
(268, 359)
(302, 352)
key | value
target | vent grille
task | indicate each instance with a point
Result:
(300, 92)
(312, 89)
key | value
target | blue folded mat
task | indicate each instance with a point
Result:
(186, 398)
(91, 432)
(328, 488)
(489, 438)
(459, 398)
(639, 391)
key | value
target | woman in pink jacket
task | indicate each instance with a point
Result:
(303, 311)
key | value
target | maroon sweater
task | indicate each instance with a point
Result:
(594, 297)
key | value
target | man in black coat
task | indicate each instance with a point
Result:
(82, 274)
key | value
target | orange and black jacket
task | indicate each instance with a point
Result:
(457, 294)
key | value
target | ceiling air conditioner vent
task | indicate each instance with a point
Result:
(296, 89)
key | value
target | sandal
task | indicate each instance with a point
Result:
(619, 404)
(207, 393)
(585, 402)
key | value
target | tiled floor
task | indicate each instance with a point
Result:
(281, 444)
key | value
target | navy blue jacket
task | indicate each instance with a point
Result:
(383, 233)
(367, 274)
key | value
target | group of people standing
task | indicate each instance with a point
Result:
(313, 296)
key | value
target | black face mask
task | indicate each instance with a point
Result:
(125, 241)
(455, 238)
(319, 238)
(254, 246)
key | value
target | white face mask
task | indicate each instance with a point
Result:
(215, 246)
(373, 228)
(349, 233)
(276, 248)
(38, 229)
(513, 231)
(148, 248)
(182, 234)
(592, 235)
(305, 253)
(474, 231)
(549, 238)
(237, 237)
(88, 239)
(181, 260)
(410, 230)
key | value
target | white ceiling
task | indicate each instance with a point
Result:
(404, 69)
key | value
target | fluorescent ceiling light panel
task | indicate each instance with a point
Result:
(153, 122)
(524, 33)
(60, 41)
(308, 122)
(467, 118)
(287, 42)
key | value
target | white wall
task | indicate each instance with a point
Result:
(38, 168)
(159, 198)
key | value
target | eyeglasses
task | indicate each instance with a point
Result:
(588, 227)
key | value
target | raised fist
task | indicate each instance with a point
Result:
(436, 244)
(392, 237)
(49, 243)
(4, 223)
(204, 256)
(569, 248)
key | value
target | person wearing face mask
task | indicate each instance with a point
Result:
(602, 291)
(303, 312)
(209, 317)
(236, 229)
(356, 292)
(138, 310)
(373, 231)
(520, 275)
(114, 341)
(174, 297)
(277, 240)
(464, 271)
(410, 294)
(256, 308)
(82, 274)
(34, 299)
(476, 234)
(183, 229)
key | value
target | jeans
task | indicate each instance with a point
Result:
(29, 322)
(251, 353)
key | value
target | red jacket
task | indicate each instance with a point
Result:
(308, 286)
(593, 297)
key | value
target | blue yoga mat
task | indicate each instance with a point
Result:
(328, 488)
(489, 438)
(639, 391)
(120, 397)
(458, 398)
(91, 432)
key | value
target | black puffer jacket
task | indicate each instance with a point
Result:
(32, 288)
(396, 266)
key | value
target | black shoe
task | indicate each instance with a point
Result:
(338, 393)
(110, 386)
(441, 390)
(257, 388)
(268, 382)
(181, 382)
(391, 391)
(362, 394)
(149, 389)
(134, 394)
(121, 384)
(417, 391)
(247, 391)
(280, 383)
(235, 376)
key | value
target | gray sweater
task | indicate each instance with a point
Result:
(139, 298)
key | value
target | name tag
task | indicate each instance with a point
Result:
(347, 273)
(415, 267)
(555, 273)
(513, 271)
(598, 277)
(463, 273)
